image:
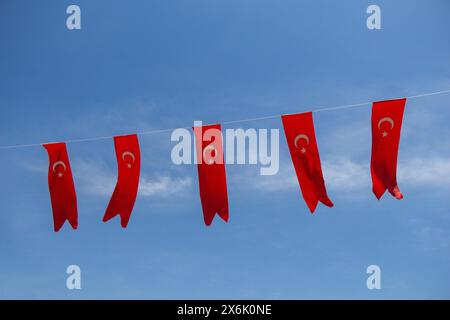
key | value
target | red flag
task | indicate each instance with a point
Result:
(386, 126)
(61, 186)
(129, 166)
(211, 172)
(301, 139)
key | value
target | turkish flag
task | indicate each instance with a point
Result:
(301, 139)
(211, 172)
(129, 166)
(61, 186)
(386, 127)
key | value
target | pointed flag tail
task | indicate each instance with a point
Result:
(387, 119)
(211, 172)
(129, 165)
(61, 186)
(301, 139)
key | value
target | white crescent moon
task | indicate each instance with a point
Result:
(208, 148)
(301, 136)
(128, 153)
(386, 119)
(59, 163)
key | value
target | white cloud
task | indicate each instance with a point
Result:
(340, 174)
(93, 178)
(347, 175)
(164, 185)
(434, 171)
(99, 180)
(343, 175)
(283, 180)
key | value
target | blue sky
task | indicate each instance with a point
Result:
(143, 65)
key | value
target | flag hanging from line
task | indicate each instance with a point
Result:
(299, 130)
(211, 172)
(387, 119)
(61, 186)
(129, 165)
(301, 139)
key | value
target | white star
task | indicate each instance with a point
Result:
(303, 150)
(384, 134)
(60, 175)
(129, 166)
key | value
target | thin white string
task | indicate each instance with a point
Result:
(141, 133)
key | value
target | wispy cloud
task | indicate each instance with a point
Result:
(99, 180)
(347, 175)
(344, 175)
(94, 178)
(430, 171)
(164, 185)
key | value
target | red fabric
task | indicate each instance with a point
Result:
(301, 139)
(386, 127)
(61, 186)
(129, 166)
(211, 174)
